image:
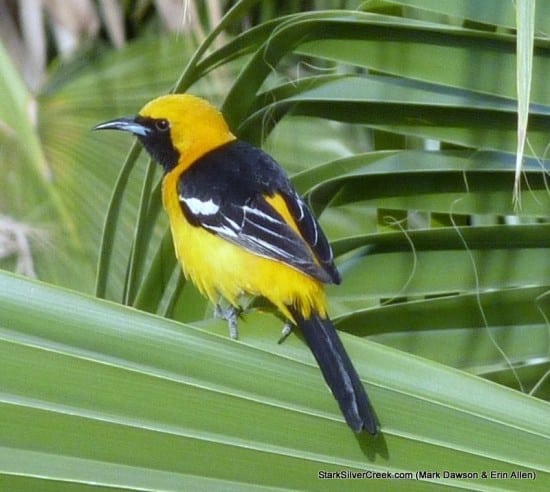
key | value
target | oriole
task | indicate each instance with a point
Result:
(239, 228)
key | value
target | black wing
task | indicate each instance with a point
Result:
(313, 234)
(225, 192)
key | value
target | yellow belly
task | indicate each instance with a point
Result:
(220, 268)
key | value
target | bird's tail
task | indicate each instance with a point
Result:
(338, 371)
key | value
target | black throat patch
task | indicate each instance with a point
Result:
(158, 142)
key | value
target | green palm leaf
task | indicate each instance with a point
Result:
(101, 394)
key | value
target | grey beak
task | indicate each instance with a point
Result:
(125, 125)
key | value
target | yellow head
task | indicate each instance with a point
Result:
(176, 129)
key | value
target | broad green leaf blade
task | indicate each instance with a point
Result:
(394, 275)
(295, 30)
(107, 395)
(436, 53)
(494, 12)
(447, 182)
(478, 332)
(411, 108)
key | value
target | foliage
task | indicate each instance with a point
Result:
(398, 122)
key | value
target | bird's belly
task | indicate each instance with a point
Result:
(220, 268)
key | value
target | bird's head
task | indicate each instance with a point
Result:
(177, 128)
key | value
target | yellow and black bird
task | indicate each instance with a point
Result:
(239, 228)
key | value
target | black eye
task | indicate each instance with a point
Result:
(162, 125)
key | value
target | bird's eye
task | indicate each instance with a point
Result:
(162, 125)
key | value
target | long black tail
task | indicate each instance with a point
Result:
(338, 371)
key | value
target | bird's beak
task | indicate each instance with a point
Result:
(125, 125)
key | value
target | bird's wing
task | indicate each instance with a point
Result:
(243, 196)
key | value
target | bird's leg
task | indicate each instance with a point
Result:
(286, 331)
(231, 315)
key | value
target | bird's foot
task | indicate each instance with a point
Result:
(286, 331)
(231, 315)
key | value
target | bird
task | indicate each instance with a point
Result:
(240, 228)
